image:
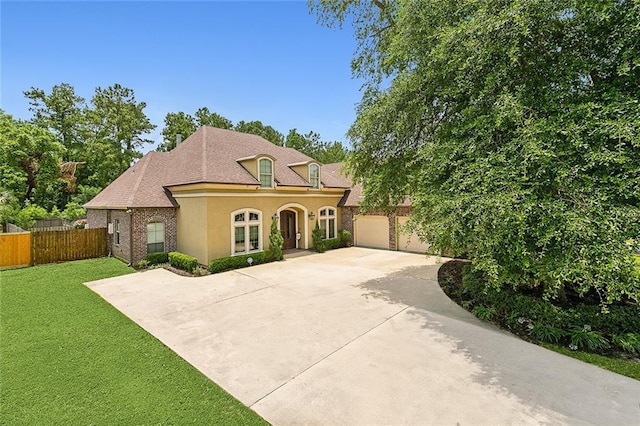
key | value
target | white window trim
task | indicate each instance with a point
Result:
(273, 172)
(335, 221)
(246, 223)
(319, 179)
(164, 235)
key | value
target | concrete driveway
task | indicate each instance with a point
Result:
(359, 336)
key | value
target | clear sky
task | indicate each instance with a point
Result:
(268, 60)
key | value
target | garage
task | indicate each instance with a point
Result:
(371, 231)
(409, 241)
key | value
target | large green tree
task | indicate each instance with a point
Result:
(62, 112)
(311, 145)
(257, 128)
(29, 158)
(119, 129)
(180, 123)
(515, 127)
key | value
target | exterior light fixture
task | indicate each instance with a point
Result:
(249, 260)
(275, 216)
(312, 215)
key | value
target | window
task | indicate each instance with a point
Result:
(327, 222)
(155, 237)
(247, 231)
(116, 227)
(314, 176)
(265, 166)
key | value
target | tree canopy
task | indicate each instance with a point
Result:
(514, 126)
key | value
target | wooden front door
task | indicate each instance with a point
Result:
(288, 228)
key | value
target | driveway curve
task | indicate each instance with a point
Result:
(360, 336)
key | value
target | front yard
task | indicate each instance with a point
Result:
(68, 357)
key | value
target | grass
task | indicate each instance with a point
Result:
(622, 366)
(68, 357)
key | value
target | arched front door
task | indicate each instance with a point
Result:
(288, 228)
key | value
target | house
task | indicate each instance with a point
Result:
(216, 194)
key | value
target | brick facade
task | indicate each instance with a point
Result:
(140, 219)
(129, 238)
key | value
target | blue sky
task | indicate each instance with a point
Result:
(267, 60)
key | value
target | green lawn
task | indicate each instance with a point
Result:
(68, 357)
(617, 365)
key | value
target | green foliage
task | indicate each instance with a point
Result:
(29, 157)
(542, 320)
(157, 258)
(27, 217)
(317, 236)
(176, 123)
(332, 243)
(547, 333)
(143, 264)
(183, 261)
(276, 240)
(257, 128)
(311, 145)
(628, 342)
(73, 211)
(626, 367)
(236, 262)
(585, 338)
(484, 313)
(345, 237)
(515, 130)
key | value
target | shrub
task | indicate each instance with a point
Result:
(584, 337)
(143, 264)
(236, 262)
(345, 238)
(628, 342)
(332, 243)
(156, 258)
(183, 261)
(275, 242)
(484, 313)
(317, 237)
(27, 217)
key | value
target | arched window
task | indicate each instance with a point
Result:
(265, 171)
(327, 221)
(155, 237)
(314, 175)
(246, 236)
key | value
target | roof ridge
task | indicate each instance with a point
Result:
(139, 177)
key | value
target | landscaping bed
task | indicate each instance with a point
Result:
(577, 327)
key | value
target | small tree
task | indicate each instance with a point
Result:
(275, 242)
(318, 239)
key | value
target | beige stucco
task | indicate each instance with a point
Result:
(205, 222)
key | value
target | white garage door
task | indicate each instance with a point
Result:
(371, 231)
(409, 242)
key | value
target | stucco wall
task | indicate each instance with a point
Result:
(207, 217)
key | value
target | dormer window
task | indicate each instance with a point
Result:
(314, 176)
(265, 171)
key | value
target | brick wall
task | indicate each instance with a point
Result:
(140, 218)
(121, 237)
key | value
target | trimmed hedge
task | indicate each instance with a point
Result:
(183, 261)
(332, 243)
(236, 262)
(157, 258)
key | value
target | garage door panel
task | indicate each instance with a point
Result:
(409, 241)
(372, 231)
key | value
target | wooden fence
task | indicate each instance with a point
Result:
(39, 247)
(15, 249)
